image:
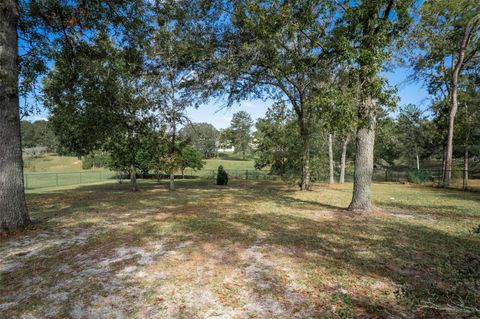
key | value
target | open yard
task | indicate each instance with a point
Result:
(52, 163)
(253, 250)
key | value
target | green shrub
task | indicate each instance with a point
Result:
(222, 176)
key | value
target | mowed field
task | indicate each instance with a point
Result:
(52, 170)
(52, 163)
(58, 164)
(248, 250)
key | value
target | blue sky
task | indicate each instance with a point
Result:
(408, 92)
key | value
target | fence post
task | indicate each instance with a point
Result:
(56, 179)
(80, 177)
(26, 181)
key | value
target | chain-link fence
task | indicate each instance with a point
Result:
(43, 180)
(460, 179)
(238, 174)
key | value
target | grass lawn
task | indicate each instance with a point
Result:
(52, 163)
(212, 164)
(232, 163)
(52, 170)
(60, 164)
(256, 250)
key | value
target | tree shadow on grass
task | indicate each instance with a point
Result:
(426, 263)
(422, 261)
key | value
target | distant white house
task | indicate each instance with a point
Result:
(226, 149)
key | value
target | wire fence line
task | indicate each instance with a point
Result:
(460, 179)
(52, 179)
(47, 179)
(466, 180)
(244, 174)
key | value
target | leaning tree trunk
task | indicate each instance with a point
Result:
(330, 158)
(457, 65)
(343, 160)
(133, 177)
(365, 140)
(13, 209)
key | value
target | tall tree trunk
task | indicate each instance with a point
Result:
(343, 160)
(444, 158)
(172, 181)
(447, 174)
(365, 140)
(305, 184)
(330, 158)
(467, 144)
(133, 177)
(172, 146)
(465, 169)
(13, 208)
(457, 65)
(417, 158)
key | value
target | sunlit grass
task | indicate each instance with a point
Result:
(254, 242)
(52, 163)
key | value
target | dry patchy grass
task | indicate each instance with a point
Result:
(256, 250)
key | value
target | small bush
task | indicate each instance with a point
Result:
(222, 176)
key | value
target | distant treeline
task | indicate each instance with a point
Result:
(40, 134)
